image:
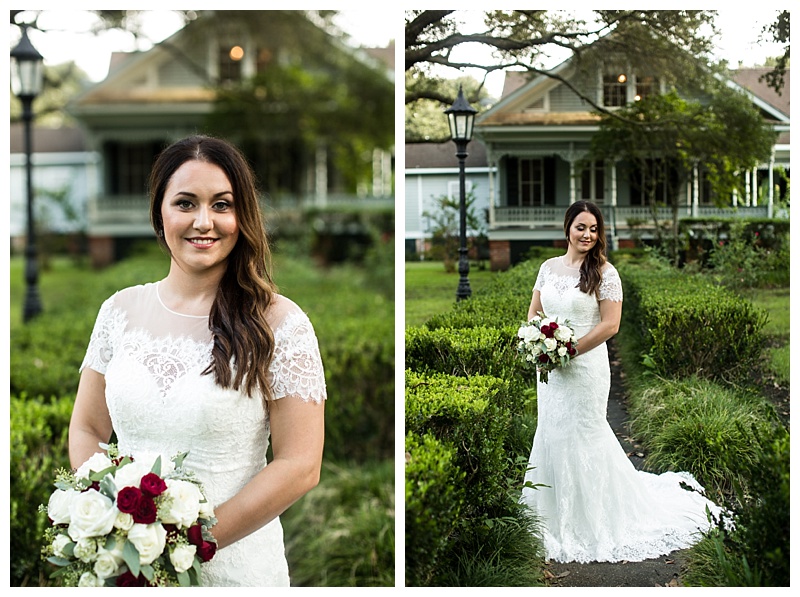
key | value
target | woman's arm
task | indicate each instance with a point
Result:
(610, 315)
(90, 423)
(536, 304)
(298, 431)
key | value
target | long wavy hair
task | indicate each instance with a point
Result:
(243, 340)
(592, 266)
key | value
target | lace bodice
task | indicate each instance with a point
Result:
(594, 505)
(152, 359)
(561, 297)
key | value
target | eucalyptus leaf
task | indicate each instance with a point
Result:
(157, 466)
(58, 561)
(183, 579)
(131, 556)
(148, 572)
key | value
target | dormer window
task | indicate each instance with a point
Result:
(230, 63)
(621, 88)
(615, 90)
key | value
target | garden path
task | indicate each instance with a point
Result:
(664, 571)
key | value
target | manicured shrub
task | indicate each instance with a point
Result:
(466, 413)
(691, 327)
(38, 441)
(434, 496)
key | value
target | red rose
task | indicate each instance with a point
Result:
(146, 511)
(543, 358)
(152, 485)
(553, 325)
(205, 549)
(128, 499)
(126, 579)
(545, 329)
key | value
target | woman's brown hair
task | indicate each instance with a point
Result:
(242, 337)
(592, 266)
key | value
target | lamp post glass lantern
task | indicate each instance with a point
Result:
(461, 117)
(26, 83)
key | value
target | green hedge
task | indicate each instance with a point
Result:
(38, 442)
(690, 326)
(434, 496)
(466, 413)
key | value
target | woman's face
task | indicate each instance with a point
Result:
(583, 232)
(199, 217)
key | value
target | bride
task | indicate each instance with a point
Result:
(213, 361)
(594, 505)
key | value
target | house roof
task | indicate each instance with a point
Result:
(48, 140)
(442, 155)
(750, 79)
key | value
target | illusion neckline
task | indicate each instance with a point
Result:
(161, 302)
(567, 266)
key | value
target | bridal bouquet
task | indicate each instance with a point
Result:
(546, 344)
(126, 521)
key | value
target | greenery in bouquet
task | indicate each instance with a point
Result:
(123, 520)
(546, 344)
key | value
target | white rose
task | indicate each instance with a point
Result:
(85, 549)
(182, 557)
(550, 344)
(96, 463)
(106, 565)
(206, 510)
(59, 504)
(528, 333)
(149, 540)
(181, 503)
(563, 334)
(562, 351)
(91, 515)
(131, 474)
(89, 580)
(123, 521)
(59, 543)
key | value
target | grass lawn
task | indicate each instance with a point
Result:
(776, 302)
(431, 290)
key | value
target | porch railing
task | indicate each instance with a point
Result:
(620, 216)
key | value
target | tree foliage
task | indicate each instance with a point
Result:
(666, 137)
(779, 31)
(523, 39)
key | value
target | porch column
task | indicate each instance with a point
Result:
(571, 180)
(614, 238)
(747, 189)
(695, 191)
(754, 189)
(770, 177)
(492, 191)
(321, 175)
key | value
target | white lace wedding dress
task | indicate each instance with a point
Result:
(159, 402)
(597, 506)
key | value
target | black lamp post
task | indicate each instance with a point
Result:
(26, 83)
(461, 117)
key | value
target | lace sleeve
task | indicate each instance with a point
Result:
(110, 321)
(610, 285)
(297, 365)
(540, 278)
